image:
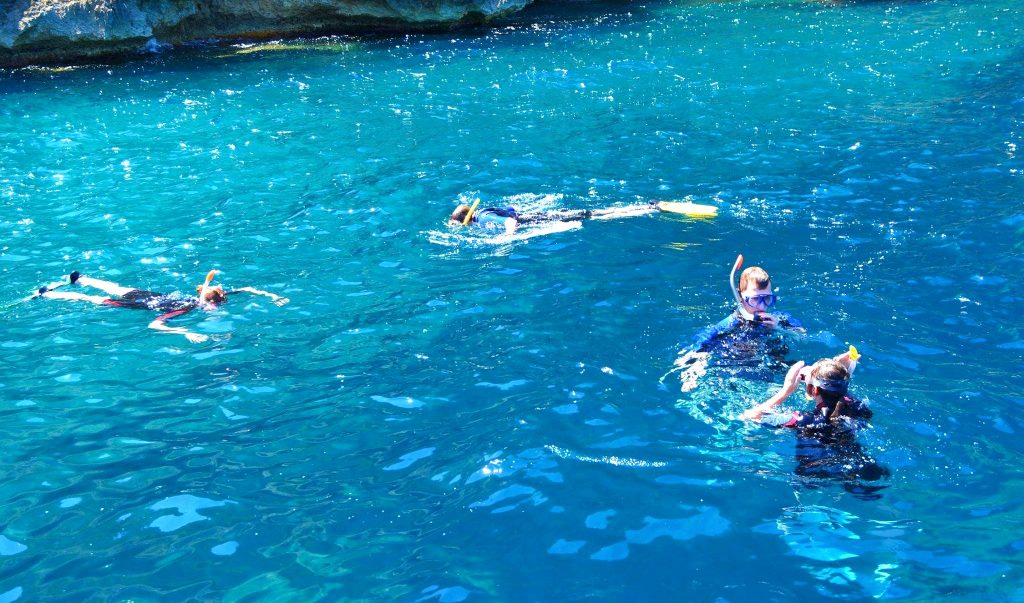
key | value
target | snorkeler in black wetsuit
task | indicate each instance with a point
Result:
(827, 446)
(164, 303)
(168, 305)
(751, 341)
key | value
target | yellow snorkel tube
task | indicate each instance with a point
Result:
(206, 285)
(854, 356)
(469, 215)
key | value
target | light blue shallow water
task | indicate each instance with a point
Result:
(437, 417)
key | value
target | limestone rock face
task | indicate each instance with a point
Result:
(64, 30)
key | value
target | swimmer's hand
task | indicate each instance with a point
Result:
(280, 301)
(766, 319)
(160, 325)
(793, 377)
(844, 359)
(788, 387)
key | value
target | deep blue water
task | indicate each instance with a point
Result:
(442, 417)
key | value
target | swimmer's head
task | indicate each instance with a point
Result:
(755, 290)
(828, 379)
(214, 294)
(459, 215)
(757, 276)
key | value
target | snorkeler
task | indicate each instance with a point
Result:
(507, 219)
(169, 305)
(826, 446)
(827, 382)
(752, 337)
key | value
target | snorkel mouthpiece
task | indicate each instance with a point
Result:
(469, 214)
(736, 291)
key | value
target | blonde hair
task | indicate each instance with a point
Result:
(215, 294)
(756, 274)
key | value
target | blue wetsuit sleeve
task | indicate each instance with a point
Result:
(705, 338)
(493, 218)
(788, 321)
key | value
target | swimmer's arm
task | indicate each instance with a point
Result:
(160, 325)
(844, 359)
(706, 338)
(789, 322)
(780, 320)
(277, 299)
(788, 387)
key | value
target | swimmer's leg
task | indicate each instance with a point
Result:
(533, 218)
(105, 286)
(70, 296)
(628, 211)
(572, 215)
(554, 215)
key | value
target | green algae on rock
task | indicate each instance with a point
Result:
(55, 31)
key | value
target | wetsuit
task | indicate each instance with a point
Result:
(854, 415)
(829, 449)
(752, 350)
(493, 218)
(168, 304)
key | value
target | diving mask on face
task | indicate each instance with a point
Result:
(839, 386)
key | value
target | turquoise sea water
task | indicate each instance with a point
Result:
(441, 417)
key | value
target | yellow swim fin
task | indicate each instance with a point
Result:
(688, 208)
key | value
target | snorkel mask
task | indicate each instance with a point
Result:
(837, 386)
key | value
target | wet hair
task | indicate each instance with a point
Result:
(757, 275)
(215, 293)
(460, 213)
(832, 379)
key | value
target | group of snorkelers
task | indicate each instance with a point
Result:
(751, 343)
(208, 296)
(751, 339)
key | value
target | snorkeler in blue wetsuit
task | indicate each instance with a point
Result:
(507, 219)
(168, 305)
(826, 436)
(751, 341)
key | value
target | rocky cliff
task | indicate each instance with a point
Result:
(46, 31)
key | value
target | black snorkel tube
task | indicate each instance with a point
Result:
(736, 292)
